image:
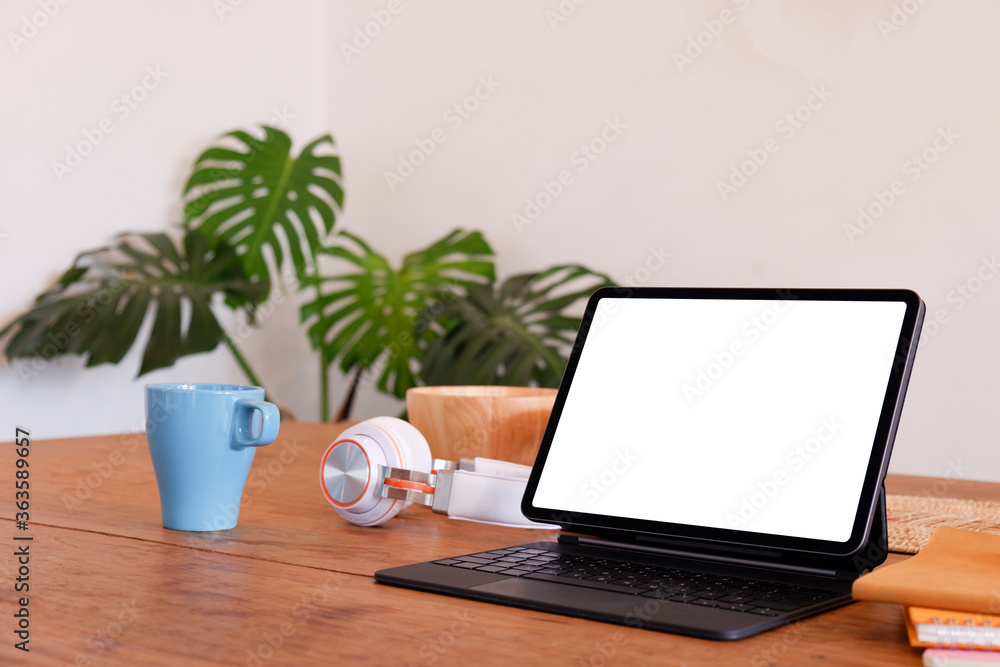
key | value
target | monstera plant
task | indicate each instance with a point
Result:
(440, 319)
(255, 195)
(248, 199)
(516, 333)
(97, 307)
(258, 218)
(375, 316)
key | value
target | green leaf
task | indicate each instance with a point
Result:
(266, 203)
(517, 333)
(98, 306)
(380, 317)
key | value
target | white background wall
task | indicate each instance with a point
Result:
(887, 81)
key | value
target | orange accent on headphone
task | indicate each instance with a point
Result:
(405, 484)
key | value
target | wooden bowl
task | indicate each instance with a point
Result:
(503, 423)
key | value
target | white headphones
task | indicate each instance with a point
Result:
(375, 469)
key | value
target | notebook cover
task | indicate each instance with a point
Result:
(957, 570)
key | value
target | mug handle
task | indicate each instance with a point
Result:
(270, 420)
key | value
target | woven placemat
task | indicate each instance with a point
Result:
(912, 519)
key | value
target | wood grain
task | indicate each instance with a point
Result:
(495, 422)
(101, 599)
(106, 485)
(291, 584)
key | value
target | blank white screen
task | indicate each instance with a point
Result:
(755, 415)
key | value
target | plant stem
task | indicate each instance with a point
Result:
(241, 360)
(324, 389)
(345, 409)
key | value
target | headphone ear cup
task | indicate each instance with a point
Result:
(414, 452)
(349, 468)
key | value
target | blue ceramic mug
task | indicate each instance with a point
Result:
(202, 439)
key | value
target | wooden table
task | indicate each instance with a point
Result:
(291, 585)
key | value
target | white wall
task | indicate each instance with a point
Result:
(217, 70)
(886, 80)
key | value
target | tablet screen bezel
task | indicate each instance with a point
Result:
(583, 522)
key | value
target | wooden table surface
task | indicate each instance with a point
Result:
(291, 584)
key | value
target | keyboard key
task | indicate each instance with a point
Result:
(475, 559)
(635, 583)
(710, 595)
(737, 599)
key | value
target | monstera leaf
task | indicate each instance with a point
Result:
(99, 304)
(259, 197)
(516, 334)
(375, 320)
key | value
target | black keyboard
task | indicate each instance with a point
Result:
(752, 596)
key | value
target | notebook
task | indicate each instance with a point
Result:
(714, 460)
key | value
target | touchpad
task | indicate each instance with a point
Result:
(549, 595)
